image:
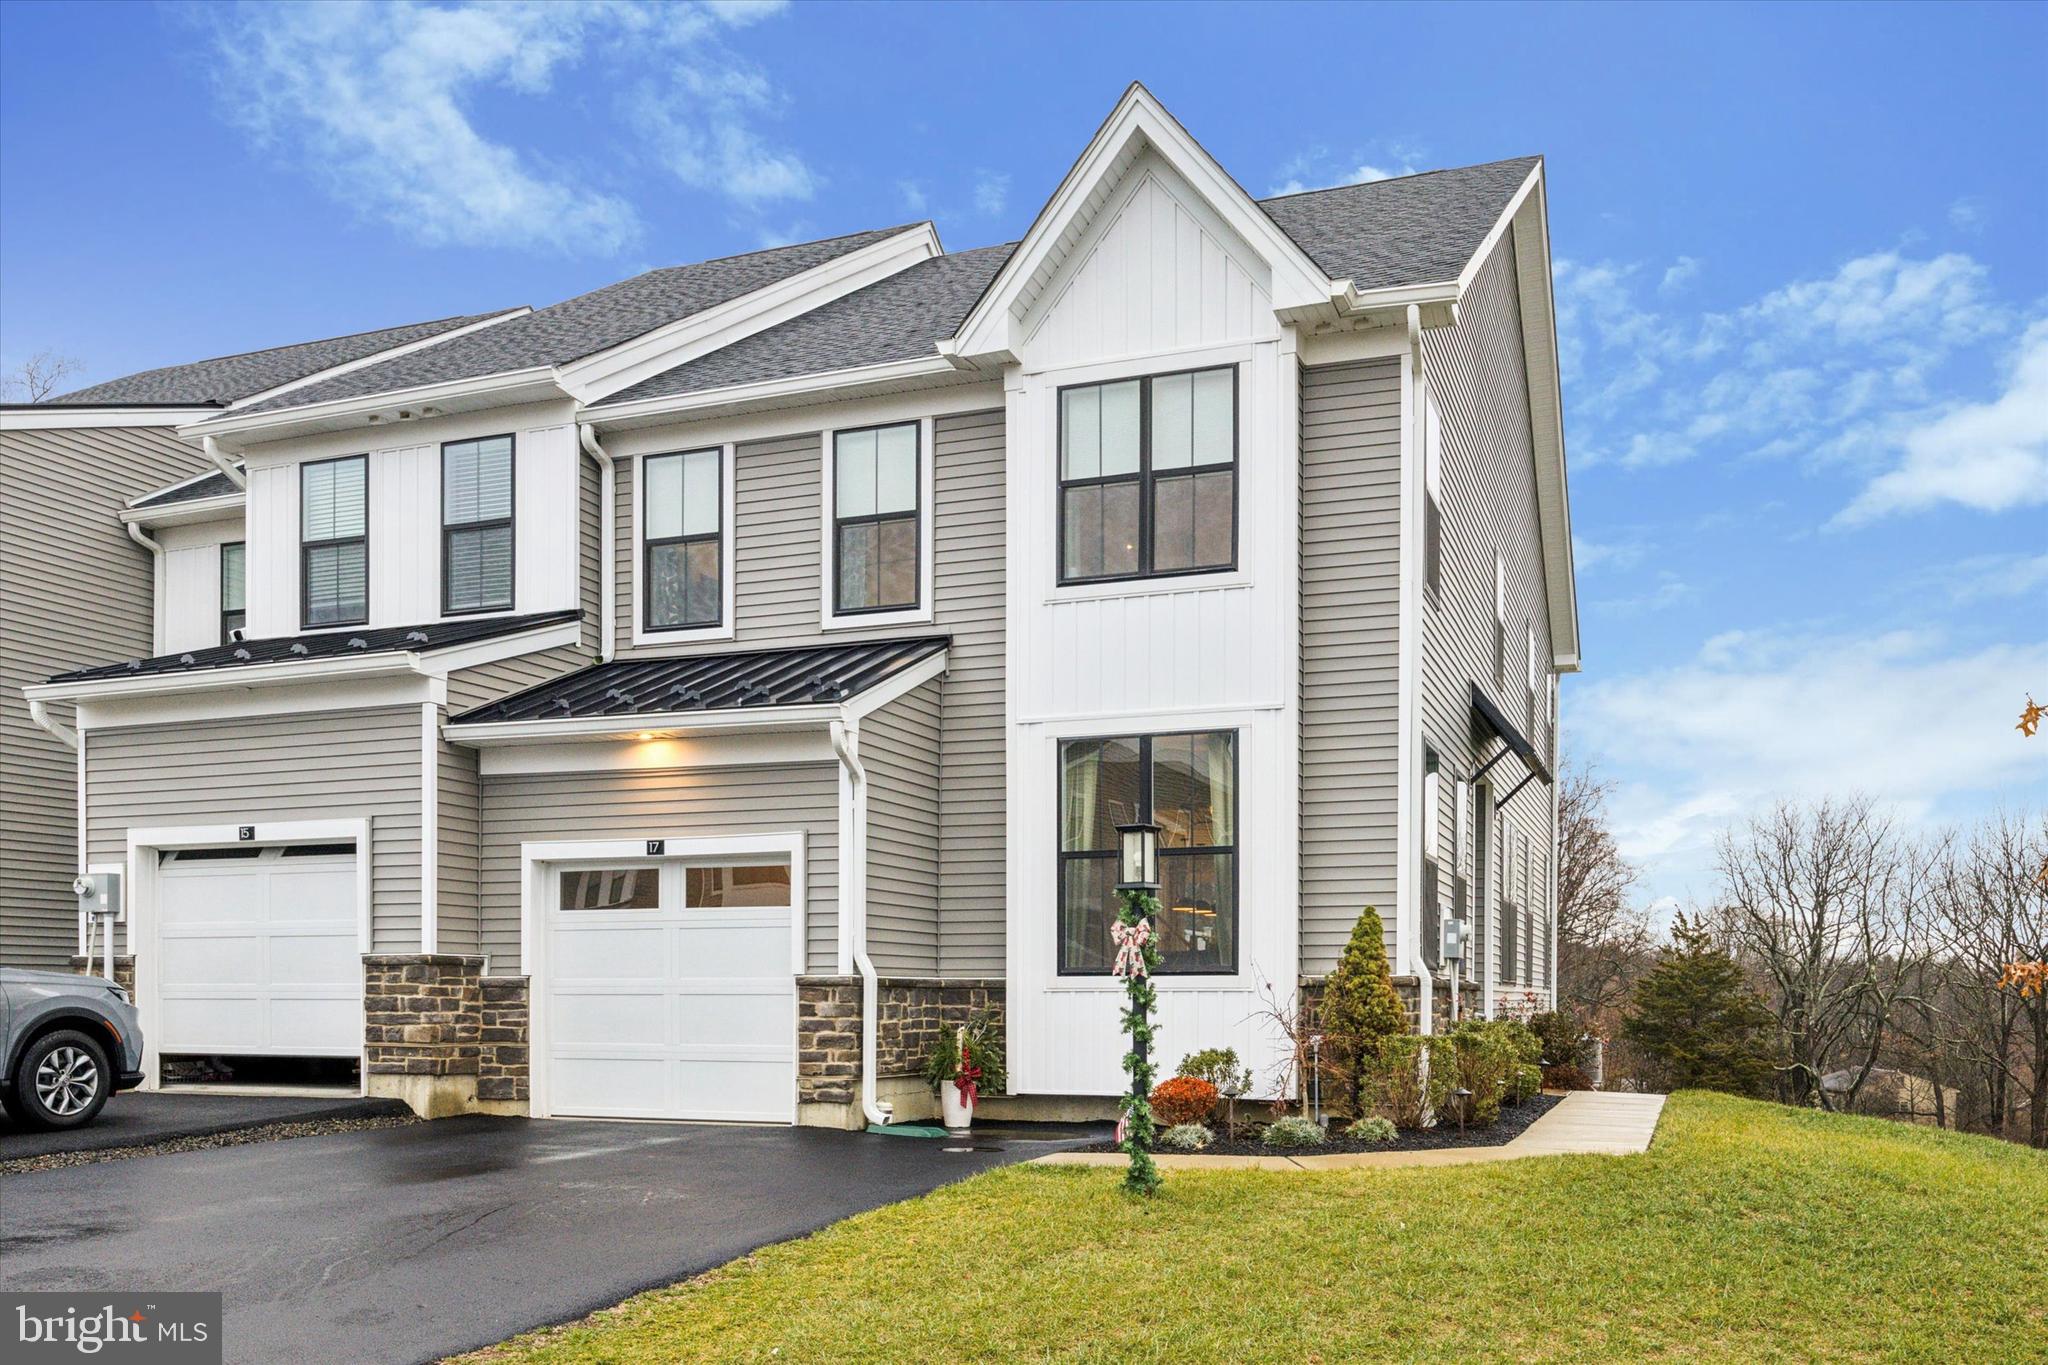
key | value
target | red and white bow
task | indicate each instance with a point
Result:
(1130, 942)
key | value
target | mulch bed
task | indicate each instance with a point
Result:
(1513, 1120)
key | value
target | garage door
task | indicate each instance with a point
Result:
(671, 992)
(259, 952)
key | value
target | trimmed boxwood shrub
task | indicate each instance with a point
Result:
(1182, 1099)
(1485, 1062)
(1525, 1083)
(1410, 1096)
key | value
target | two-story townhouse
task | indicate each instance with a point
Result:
(686, 709)
(111, 534)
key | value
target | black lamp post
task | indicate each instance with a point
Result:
(1136, 960)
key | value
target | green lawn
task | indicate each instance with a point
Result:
(1747, 1232)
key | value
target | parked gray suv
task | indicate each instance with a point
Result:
(69, 1042)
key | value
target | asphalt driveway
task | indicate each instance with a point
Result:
(404, 1244)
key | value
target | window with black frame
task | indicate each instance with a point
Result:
(234, 602)
(875, 511)
(684, 554)
(334, 542)
(1148, 476)
(476, 525)
(1187, 784)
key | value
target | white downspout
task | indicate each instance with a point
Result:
(40, 714)
(1425, 980)
(156, 582)
(223, 463)
(853, 904)
(607, 556)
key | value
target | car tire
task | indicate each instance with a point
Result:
(61, 1081)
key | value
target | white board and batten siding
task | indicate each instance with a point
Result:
(1156, 283)
(404, 503)
(188, 607)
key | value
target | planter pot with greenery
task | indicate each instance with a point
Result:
(966, 1060)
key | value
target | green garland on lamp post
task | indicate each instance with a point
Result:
(1137, 959)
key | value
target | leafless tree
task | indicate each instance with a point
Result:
(1995, 912)
(1603, 937)
(38, 377)
(1826, 904)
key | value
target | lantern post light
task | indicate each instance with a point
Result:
(1137, 958)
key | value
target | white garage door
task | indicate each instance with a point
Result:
(259, 952)
(671, 993)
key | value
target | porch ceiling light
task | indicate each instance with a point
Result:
(1138, 857)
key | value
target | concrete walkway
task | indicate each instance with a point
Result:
(1584, 1121)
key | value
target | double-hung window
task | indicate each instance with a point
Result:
(1148, 476)
(234, 601)
(334, 542)
(476, 525)
(875, 533)
(1187, 784)
(684, 555)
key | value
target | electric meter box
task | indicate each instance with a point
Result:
(1454, 940)
(99, 893)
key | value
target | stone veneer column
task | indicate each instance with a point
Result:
(503, 1059)
(915, 1012)
(422, 1020)
(124, 969)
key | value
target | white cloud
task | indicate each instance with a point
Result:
(381, 103)
(1318, 169)
(991, 193)
(1620, 554)
(1678, 274)
(1664, 590)
(1988, 456)
(913, 195)
(1983, 578)
(1759, 715)
(1967, 215)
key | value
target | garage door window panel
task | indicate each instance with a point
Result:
(612, 888)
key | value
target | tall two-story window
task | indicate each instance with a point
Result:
(334, 542)
(476, 525)
(1148, 476)
(875, 481)
(234, 601)
(1187, 784)
(1432, 499)
(684, 554)
(1500, 619)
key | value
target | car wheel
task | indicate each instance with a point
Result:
(61, 1081)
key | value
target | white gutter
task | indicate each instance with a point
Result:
(40, 714)
(853, 904)
(223, 463)
(607, 556)
(1425, 979)
(156, 575)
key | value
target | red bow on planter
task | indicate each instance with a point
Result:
(967, 1079)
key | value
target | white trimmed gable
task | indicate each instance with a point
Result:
(1157, 269)
(1138, 138)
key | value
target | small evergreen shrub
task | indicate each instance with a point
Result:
(1525, 1083)
(1186, 1137)
(1566, 1077)
(1293, 1131)
(1486, 1063)
(1219, 1067)
(1414, 1094)
(1564, 1042)
(1528, 1048)
(1182, 1099)
(1374, 1129)
(1360, 1013)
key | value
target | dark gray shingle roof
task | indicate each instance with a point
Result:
(331, 644)
(581, 326)
(212, 485)
(1415, 229)
(712, 682)
(900, 318)
(227, 378)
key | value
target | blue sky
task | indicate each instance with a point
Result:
(1801, 275)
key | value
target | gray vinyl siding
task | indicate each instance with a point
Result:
(1350, 651)
(472, 687)
(326, 766)
(899, 747)
(1476, 372)
(459, 829)
(778, 563)
(645, 805)
(59, 495)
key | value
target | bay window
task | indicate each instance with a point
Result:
(334, 542)
(684, 554)
(875, 510)
(1148, 476)
(1187, 785)
(476, 525)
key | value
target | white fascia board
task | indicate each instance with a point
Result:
(657, 724)
(1501, 225)
(186, 512)
(533, 384)
(1140, 119)
(439, 663)
(379, 357)
(1531, 227)
(890, 376)
(866, 703)
(69, 418)
(685, 339)
(218, 679)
